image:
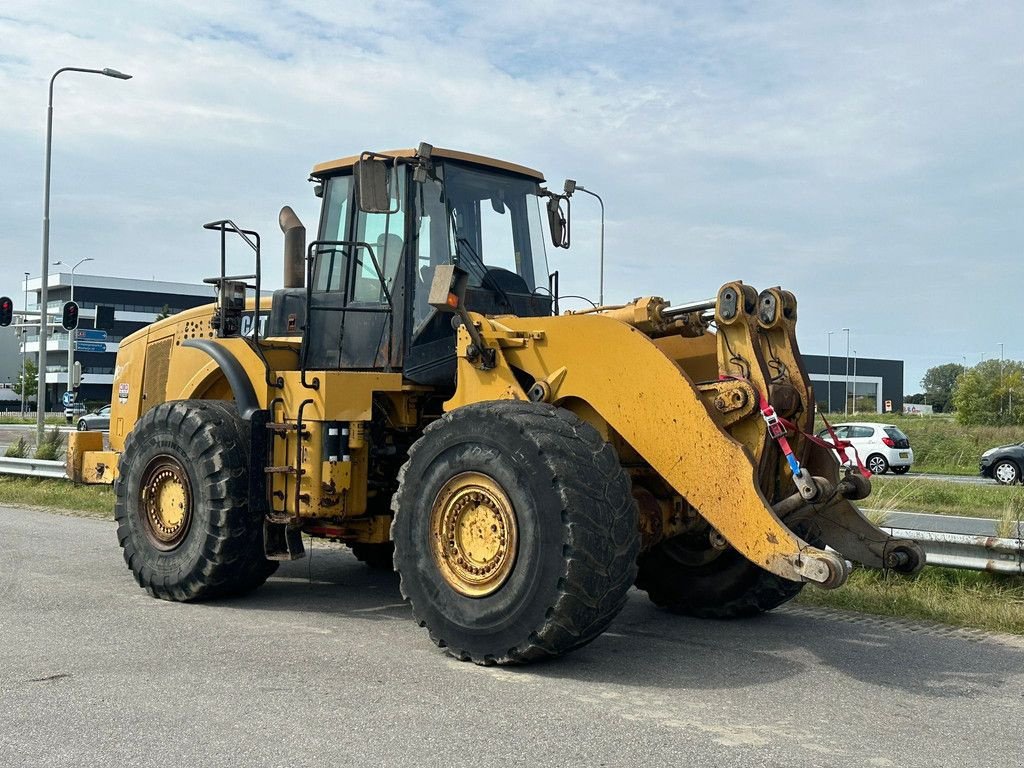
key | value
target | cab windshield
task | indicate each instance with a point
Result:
(496, 225)
(487, 222)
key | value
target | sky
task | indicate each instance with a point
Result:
(866, 156)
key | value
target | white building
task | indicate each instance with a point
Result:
(123, 304)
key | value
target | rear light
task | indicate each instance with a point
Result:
(889, 442)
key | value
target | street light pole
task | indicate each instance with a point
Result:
(71, 332)
(43, 309)
(830, 371)
(24, 344)
(846, 398)
(1000, 378)
(570, 187)
(855, 382)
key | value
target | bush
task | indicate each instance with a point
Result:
(52, 446)
(18, 450)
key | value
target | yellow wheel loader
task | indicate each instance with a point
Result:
(415, 393)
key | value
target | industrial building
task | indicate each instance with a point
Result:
(118, 306)
(855, 384)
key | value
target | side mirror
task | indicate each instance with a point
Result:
(558, 221)
(373, 178)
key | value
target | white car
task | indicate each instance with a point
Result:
(881, 447)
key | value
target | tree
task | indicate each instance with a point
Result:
(938, 384)
(990, 393)
(31, 379)
(164, 313)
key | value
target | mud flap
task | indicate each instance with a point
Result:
(282, 541)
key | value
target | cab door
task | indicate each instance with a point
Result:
(357, 301)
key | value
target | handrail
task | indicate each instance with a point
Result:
(224, 226)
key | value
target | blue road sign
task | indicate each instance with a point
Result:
(89, 334)
(90, 346)
(68, 398)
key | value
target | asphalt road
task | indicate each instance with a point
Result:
(963, 479)
(10, 433)
(323, 666)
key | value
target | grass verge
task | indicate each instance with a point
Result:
(986, 601)
(82, 500)
(944, 498)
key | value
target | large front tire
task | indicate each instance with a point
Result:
(182, 510)
(515, 532)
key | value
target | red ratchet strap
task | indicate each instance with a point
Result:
(839, 446)
(778, 426)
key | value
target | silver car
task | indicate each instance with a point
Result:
(97, 420)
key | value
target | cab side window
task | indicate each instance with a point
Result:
(384, 234)
(434, 243)
(330, 262)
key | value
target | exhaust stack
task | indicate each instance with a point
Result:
(294, 248)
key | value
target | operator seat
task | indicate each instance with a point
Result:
(388, 251)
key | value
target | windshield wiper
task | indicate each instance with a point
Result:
(462, 247)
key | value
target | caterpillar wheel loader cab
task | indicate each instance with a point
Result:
(414, 393)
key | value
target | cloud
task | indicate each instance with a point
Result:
(863, 156)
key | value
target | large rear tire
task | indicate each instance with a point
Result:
(685, 576)
(184, 521)
(515, 532)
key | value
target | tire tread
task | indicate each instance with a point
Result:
(231, 559)
(599, 521)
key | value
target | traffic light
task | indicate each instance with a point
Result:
(6, 311)
(104, 317)
(70, 317)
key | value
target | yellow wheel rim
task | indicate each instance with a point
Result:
(474, 534)
(166, 502)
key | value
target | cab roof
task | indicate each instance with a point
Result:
(331, 166)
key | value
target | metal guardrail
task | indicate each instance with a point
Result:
(33, 468)
(974, 553)
(949, 550)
